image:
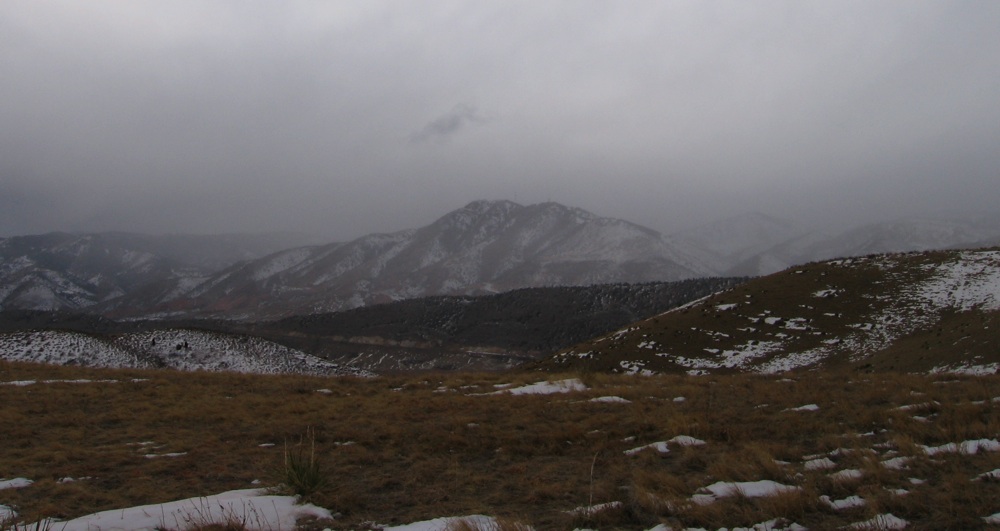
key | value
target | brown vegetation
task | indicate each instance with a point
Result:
(399, 450)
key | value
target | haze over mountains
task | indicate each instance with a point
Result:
(484, 247)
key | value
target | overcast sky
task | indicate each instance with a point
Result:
(349, 118)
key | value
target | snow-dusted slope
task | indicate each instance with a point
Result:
(922, 312)
(187, 350)
(69, 348)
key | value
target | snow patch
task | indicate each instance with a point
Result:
(16, 483)
(253, 506)
(749, 489)
(881, 522)
(849, 502)
(660, 446)
(964, 448)
(546, 388)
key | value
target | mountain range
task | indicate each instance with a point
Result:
(484, 247)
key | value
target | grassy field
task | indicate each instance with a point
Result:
(398, 450)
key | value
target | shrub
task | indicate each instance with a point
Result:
(302, 472)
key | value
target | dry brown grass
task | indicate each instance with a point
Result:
(398, 450)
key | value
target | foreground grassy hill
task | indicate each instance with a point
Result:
(820, 449)
(916, 312)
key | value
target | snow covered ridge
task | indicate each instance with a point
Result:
(850, 309)
(186, 350)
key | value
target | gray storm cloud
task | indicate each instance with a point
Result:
(344, 119)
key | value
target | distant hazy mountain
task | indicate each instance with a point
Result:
(60, 271)
(747, 244)
(756, 244)
(915, 234)
(485, 247)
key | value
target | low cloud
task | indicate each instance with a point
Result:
(448, 124)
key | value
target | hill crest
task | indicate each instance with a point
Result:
(920, 312)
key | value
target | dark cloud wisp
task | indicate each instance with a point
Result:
(448, 124)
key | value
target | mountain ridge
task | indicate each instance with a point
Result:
(484, 247)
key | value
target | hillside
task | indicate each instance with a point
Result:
(493, 332)
(918, 312)
(481, 333)
(179, 349)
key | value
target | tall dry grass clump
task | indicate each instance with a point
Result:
(302, 473)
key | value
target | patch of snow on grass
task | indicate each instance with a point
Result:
(991, 475)
(442, 524)
(792, 361)
(16, 483)
(594, 509)
(896, 463)
(547, 388)
(750, 489)
(611, 400)
(253, 506)
(776, 524)
(171, 454)
(823, 463)
(971, 281)
(686, 440)
(967, 369)
(660, 446)
(739, 357)
(635, 367)
(965, 447)
(847, 475)
(24, 383)
(849, 502)
(880, 522)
